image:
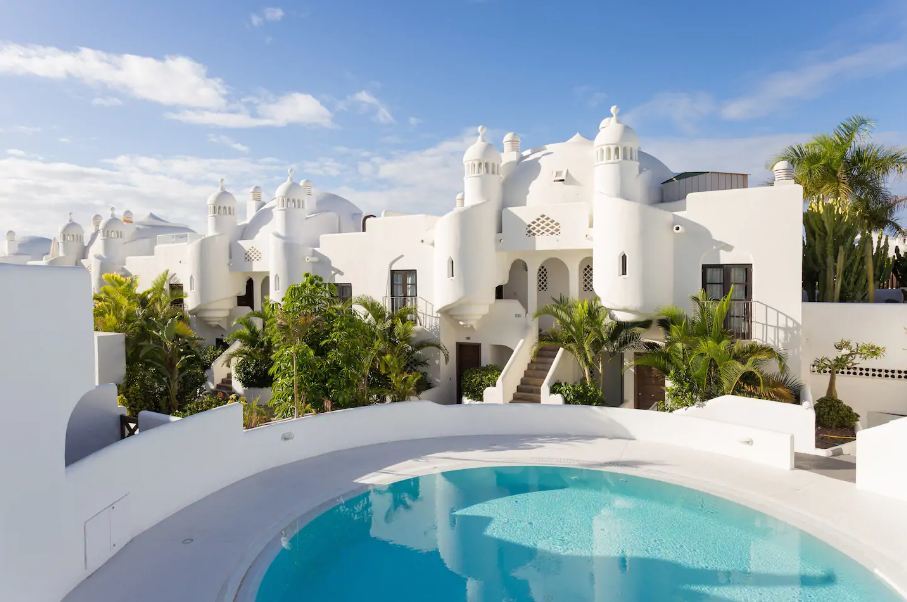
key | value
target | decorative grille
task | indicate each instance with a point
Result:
(587, 278)
(543, 226)
(891, 373)
(543, 279)
(252, 254)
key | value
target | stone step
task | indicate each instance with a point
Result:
(536, 374)
(537, 367)
(528, 380)
(532, 389)
(526, 398)
(548, 352)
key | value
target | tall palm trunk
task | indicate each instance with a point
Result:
(870, 268)
(832, 391)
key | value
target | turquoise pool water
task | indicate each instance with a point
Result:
(559, 534)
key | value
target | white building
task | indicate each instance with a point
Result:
(577, 218)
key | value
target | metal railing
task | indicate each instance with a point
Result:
(424, 311)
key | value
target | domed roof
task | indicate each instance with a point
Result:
(96, 220)
(222, 197)
(71, 227)
(350, 215)
(613, 131)
(290, 189)
(112, 223)
(481, 149)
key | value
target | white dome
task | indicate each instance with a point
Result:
(112, 223)
(222, 197)
(290, 189)
(481, 149)
(96, 220)
(71, 228)
(613, 131)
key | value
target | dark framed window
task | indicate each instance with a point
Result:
(720, 279)
(404, 288)
(344, 291)
(247, 299)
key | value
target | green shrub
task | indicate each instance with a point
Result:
(253, 371)
(581, 393)
(476, 380)
(205, 402)
(834, 414)
(208, 354)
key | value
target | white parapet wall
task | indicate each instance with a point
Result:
(110, 357)
(798, 420)
(881, 458)
(881, 385)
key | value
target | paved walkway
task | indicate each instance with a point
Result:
(843, 468)
(202, 552)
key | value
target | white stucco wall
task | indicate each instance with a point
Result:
(94, 423)
(881, 453)
(881, 323)
(791, 418)
(110, 357)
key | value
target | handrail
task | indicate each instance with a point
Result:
(510, 377)
(545, 395)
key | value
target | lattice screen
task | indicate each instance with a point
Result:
(543, 226)
(587, 278)
(543, 279)
(892, 373)
(252, 254)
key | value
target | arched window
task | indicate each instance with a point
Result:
(191, 283)
(608, 154)
(587, 278)
(617, 153)
(276, 282)
(450, 267)
(623, 264)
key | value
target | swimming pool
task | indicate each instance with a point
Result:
(550, 533)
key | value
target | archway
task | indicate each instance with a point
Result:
(265, 289)
(517, 285)
(552, 282)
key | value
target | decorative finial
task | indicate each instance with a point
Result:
(482, 129)
(221, 184)
(290, 173)
(70, 216)
(112, 212)
(614, 111)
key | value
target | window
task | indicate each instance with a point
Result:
(542, 279)
(560, 175)
(344, 291)
(587, 278)
(276, 282)
(543, 226)
(404, 289)
(608, 154)
(191, 283)
(622, 265)
(720, 279)
(617, 153)
(247, 299)
(450, 267)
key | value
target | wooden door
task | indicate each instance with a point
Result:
(648, 386)
(469, 355)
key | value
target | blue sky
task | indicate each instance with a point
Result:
(144, 106)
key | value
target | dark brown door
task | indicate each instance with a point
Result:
(649, 387)
(469, 355)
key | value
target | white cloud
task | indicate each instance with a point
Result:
(366, 102)
(814, 78)
(266, 15)
(684, 110)
(590, 96)
(419, 181)
(20, 129)
(323, 166)
(173, 187)
(106, 101)
(414, 121)
(289, 109)
(64, 140)
(228, 142)
(173, 80)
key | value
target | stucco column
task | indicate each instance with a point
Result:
(256, 292)
(573, 279)
(532, 287)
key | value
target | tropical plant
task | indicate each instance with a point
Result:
(169, 349)
(701, 360)
(899, 266)
(252, 360)
(585, 329)
(581, 393)
(846, 169)
(476, 380)
(849, 356)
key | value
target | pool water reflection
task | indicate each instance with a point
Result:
(552, 533)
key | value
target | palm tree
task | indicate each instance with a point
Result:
(702, 360)
(847, 169)
(290, 331)
(168, 349)
(585, 329)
